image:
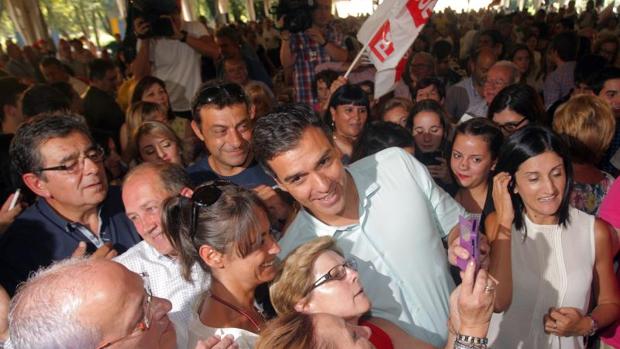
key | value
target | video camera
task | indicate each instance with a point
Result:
(156, 13)
(297, 14)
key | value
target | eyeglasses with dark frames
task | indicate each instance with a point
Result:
(205, 196)
(338, 272)
(510, 127)
(145, 323)
(94, 154)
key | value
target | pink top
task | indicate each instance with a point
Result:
(610, 207)
(610, 212)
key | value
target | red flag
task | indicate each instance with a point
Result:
(389, 33)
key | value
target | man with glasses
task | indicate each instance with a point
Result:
(92, 304)
(501, 74)
(59, 161)
(145, 189)
(469, 91)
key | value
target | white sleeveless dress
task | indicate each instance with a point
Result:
(551, 267)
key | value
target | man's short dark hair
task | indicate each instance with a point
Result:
(24, 150)
(587, 68)
(566, 45)
(281, 131)
(217, 94)
(231, 32)
(43, 98)
(98, 68)
(609, 73)
(10, 88)
(431, 81)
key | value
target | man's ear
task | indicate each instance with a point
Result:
(187, 192)
(211, 257)
(36, 184)
(197, 131)
(281, 185)
(252, 112)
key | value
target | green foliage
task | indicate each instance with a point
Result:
(238, 10)
(71, 18)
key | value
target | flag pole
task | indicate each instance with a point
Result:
(357, 58)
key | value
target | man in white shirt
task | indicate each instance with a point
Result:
(174, 59)
(385, 210)
(145, 189)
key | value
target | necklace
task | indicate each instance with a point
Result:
(238, 310)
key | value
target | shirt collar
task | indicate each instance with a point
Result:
(366, 187)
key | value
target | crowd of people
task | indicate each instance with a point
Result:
(231, 188)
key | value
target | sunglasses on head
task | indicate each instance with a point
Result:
(205, 196)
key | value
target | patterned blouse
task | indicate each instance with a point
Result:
(588, 197)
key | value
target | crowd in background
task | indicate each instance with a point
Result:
(229, 187)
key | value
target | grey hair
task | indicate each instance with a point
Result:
(44, 312)
(173, 177)
(514, 70)
(25, 152)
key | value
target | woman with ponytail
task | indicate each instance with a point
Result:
(225, 229)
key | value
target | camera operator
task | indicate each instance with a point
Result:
(304, 50)
(174, 58)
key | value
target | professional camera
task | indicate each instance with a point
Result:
(297, 14)
(157, 14)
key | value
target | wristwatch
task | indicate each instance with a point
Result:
(183, 36)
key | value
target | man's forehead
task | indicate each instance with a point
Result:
(312, 145)
(232, 114)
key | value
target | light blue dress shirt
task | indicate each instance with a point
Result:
(397, 243)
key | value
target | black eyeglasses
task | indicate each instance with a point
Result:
(205, 196)
(74, 166)
(226, 91)
(338, 272)
(511, 127)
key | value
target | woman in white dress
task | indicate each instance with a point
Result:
(548, 257)
(225, 229)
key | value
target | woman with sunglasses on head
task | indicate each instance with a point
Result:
(316, 278)
(474, 153)
(548, 257)
(515, 107)
(225, 229)
(348, 112)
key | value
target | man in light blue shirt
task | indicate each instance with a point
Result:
(385, 210)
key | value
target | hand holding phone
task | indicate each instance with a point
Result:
(469, 239)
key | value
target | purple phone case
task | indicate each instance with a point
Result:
(469, 239)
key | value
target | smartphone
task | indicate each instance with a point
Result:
(429, 158)
(469, 240)
(15, 199)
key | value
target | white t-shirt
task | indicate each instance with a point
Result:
(178, 64)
